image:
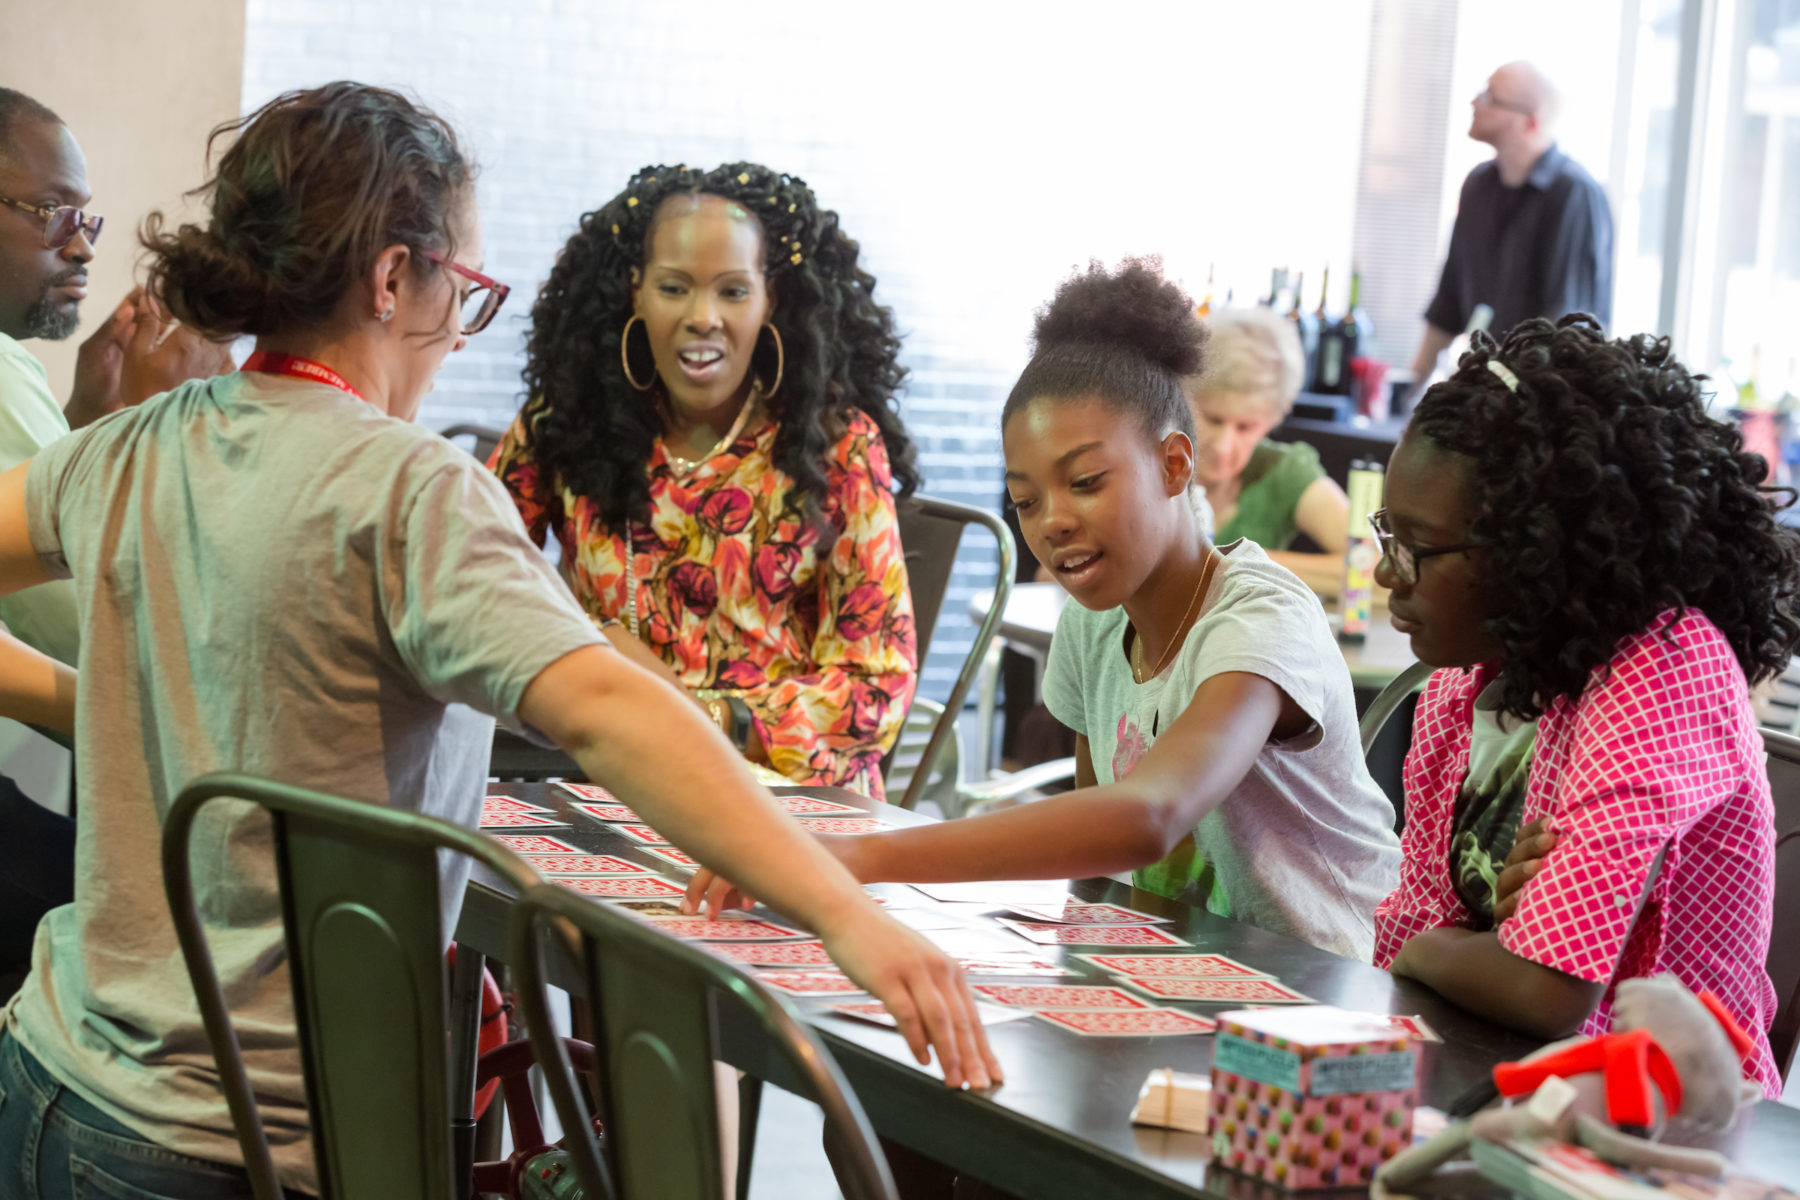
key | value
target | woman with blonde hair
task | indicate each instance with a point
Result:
(1263, 490)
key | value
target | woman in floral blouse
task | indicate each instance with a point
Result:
(710, 434)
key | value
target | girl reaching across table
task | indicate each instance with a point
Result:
(709, 433)
(1217, 750)
(1592, 561)
(280, 573)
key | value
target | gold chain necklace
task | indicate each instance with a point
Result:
(1136, 662)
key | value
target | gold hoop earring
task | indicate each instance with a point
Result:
(780, 360)
(625, 355)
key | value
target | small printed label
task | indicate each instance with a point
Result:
(1394, 1071)
(1258, 1061)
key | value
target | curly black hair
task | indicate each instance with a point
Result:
(1127, 336)
(593, 433)
(1604, 495)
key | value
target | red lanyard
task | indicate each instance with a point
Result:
(298, 368)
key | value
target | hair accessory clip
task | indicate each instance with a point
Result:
(1505, 373)
(743, 177)
(793, 206)
(631, 202)
(615, 229)
(796, 258)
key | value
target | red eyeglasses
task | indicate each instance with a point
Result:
(484, 298)
(61, 223)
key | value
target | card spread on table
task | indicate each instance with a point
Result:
(810, 983)
(1220, 991)
(535, 843)
(593, 793)
(726, 929)
(508, 804)
(514, 820)
(1005, 965)
(843, 824)
(615, 887)
(1036, 995)
(812, 806)
(680, 858)
(642, 833)
(772, 954)
(650, 908)
(608, 812)
(584, 864)
(1152, 1022)
(1092, 935)
(1175, 966)
(1085, 914)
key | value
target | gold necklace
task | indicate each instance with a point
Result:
(687, 466)
(1136, 661)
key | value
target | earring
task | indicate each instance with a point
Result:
(384, 315)
(625, 356)
(780, 360)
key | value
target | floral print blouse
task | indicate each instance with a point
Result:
(812, 626)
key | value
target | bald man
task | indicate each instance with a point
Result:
(1533, 234)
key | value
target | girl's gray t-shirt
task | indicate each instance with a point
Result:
(276, 578)
(1305, 845)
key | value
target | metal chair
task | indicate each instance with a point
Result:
(931, 531)
(658, 1005)
(365, 951)
(485, 439)
(1784, 949)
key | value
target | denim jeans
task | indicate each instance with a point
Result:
(56, 1146)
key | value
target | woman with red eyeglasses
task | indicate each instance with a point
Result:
(281, 574)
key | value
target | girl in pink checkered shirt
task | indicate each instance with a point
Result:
(1594, 564)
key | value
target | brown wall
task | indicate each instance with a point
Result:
(140, 85)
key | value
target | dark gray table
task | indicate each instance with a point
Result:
(1060, 1125)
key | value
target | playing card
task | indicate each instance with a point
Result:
(649, 908)
(534, 843)
(1018, 967)
(700, 929)
(608, 812)
(812, 806)
(680, 858)
(513, 820)
(1042, 996)
(584, 864)
(1415, 1026)
(589, 792)
(1174, 966)
(1092, 935)
(1220, 991)
(843, 824)
(772, 954)
(1075, 913)
(614, 887)
(508, 804)
(810, 983)
(1146, 1023)
(642, 833)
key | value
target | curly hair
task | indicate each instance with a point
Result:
(593, 432)
(1127, 336)
(1605, 495)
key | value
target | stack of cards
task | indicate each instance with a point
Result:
(592, 793)
(504, 812)
(1077, 913)
(810, 983)
(728, 928)
(1197, 978)
(812, 806)
(612, 813)
(1046, 934)
(621, 887)
(1174, 1100)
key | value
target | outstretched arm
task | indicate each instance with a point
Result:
(34, 688)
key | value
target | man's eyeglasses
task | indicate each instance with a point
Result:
(1406, 560)
(1487, 99)
(483, 300)
(61, 223)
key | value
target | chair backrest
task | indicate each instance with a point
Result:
(930, 532)
(1407, 683)
(1778, 700)
(484, 439)
(658, 1005)
(365, 952)
(1784, 947)
(1386, 756)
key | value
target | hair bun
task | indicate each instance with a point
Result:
(1133, 308)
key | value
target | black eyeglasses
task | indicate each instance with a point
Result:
(1406, 560)
(61, 223)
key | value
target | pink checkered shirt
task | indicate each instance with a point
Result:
(1662, 750)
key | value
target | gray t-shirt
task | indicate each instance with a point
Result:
(1305, 845)
(275, 578)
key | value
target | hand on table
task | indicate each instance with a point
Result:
(1530, 845)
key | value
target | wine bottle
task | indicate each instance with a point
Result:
(1337, 346)
(1307, 327)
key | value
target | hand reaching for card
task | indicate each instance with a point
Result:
(714, 894)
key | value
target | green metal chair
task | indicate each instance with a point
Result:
(658, 1006)
(389, 1095)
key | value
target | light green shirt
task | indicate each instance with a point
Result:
(42, 617)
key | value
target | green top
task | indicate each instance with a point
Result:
(1274, 480)
(43, 617)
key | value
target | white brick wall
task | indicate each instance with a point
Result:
(977, 150)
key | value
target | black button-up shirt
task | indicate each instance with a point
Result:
(1542, 249)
